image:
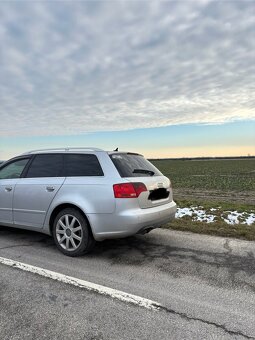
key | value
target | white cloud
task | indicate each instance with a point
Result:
(74, 67)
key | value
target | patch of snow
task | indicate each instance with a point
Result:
(201, 215)
(232, 217)
(206, 218)
(235, 217)
(183, 212)
(197, 213)
(250, 219)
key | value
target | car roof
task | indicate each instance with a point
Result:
(76, 150)
(63, 150)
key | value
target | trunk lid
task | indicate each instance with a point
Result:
(135, 168)
(158, 192)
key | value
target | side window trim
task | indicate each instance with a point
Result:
(25, 170)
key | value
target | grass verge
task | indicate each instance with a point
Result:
(219, 227)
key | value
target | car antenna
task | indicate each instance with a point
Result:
(117, 149)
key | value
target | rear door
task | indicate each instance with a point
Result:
(9, 176)
(34, 193)
(135, 168)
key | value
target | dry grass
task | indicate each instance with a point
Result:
(219, 227)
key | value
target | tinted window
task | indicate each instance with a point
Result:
(46, 166)
(14, 169)
(132, 165)
(82, 165)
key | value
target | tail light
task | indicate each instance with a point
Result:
(128, 190)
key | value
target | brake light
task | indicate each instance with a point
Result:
(128, 190)
(139, 188)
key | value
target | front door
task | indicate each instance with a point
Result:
(9, 176)
(34, 193)
(6, 196)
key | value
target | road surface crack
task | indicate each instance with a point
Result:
(189, 318)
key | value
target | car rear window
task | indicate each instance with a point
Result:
(133, 165)
(82, 165)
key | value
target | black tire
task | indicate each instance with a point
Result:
(86, 242)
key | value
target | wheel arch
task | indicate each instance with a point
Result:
(63, 206)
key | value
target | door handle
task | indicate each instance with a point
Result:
(8, 189)
(50, 189)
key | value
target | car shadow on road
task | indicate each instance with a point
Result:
(24, 236)
(218, 268)
(175, 261)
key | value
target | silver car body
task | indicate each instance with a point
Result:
(30, 203)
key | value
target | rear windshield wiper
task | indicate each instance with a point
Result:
(143, 171)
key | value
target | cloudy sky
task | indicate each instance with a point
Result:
(170, 78)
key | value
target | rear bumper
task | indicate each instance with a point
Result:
(130, 222)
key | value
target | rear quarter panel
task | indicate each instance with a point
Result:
(93, 195)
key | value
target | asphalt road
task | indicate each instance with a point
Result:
(205, 284)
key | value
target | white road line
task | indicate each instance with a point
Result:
(103, 290)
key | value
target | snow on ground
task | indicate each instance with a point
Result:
(184, 212)
(196, 213)
(230, 217)
(235, 217)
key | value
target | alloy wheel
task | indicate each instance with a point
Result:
(69, 232)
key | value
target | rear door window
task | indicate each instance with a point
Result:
(46, 166)
(82, 165)
(133, 165)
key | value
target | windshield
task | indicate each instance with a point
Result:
(133, 165)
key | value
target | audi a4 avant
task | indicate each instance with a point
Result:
(83, 195)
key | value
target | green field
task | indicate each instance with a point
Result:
(223, 175)
(213, 187)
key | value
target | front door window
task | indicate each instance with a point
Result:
(14, 169)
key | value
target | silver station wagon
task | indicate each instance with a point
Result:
(83, 195)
